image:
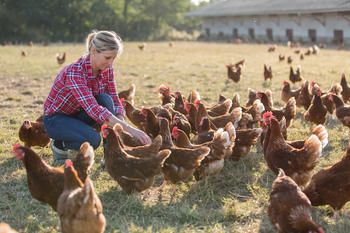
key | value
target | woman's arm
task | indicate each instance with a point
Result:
(112, 91)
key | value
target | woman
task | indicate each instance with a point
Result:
(84, 94)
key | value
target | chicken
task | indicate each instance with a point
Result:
(134, 115)
(33, 133)
(141, 46)
(317, 112)
(267, 73)
(205, 133)
(128, 94)
(295, 76)
(61, 58)
(220, 109)
(283, 127)
(236, 101)
(220, 121)
(234, 72)
(182, 123)
(180, 103)
(289, 208)
(251, 116)
(320, 132)
(288, 111)
(182, 162)
(5, 228)
(221, 99)
(128, 139)
(134, 173)
(245, 139)
(251, 97)
(46, 183)
(341, 111)
(23, 53)
(331, 185)
(191, 116)
(289, 60)
(308, 51)
(298, 163)
(288, 93)
(148, 150)
(79, 208)
(281, 57)
(151, 126)
(305, 96)
(315, 49)
(265, 97)
(220, 148)
(335, 89)
(301, 57)
(165, 96)
(272, 48)
(346, 89)
(194, 96)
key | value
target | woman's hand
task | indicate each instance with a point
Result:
(139, 134)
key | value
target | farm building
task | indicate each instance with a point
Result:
(326, 21)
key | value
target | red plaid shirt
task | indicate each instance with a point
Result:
(75, 87)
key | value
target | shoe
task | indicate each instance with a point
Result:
(60, 156)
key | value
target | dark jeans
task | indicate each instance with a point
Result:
(74, 130)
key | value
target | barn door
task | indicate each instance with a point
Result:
(312, 35)
(338, 36)
(269, 34)
(289, 34)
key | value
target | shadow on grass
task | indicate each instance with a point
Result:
(197, 204)
(21, 211)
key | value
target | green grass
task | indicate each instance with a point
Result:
(233, 201)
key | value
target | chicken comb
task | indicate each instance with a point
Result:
(122, 100)
(330, 97)
(320, 230)
(103, 130)
(257, 94)
(267, 115)
(15, 147)
(103, 127)
(174, 131)
(68, 163)
(143, 111)
(163, 87)
(177, 93)
(187, 106)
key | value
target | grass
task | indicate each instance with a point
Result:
(233, 201)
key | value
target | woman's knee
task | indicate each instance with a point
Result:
(95, 140)
(106, 101)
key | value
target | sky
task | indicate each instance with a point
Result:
(198, 1)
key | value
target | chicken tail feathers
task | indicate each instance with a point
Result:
(291, 109)
(321, 132)
(313, 146)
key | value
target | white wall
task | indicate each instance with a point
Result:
(324, 24)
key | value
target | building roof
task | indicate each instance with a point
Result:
(275, 7)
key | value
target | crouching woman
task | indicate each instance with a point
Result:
(83, 95)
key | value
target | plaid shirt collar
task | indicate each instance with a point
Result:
(88, 67)
(89, 71)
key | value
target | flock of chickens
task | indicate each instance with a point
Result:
(190, 140)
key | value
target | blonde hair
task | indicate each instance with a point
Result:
(104, 41)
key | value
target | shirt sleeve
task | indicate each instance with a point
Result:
(112, 91)
(78, 86)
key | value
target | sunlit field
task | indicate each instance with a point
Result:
(236, 200)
